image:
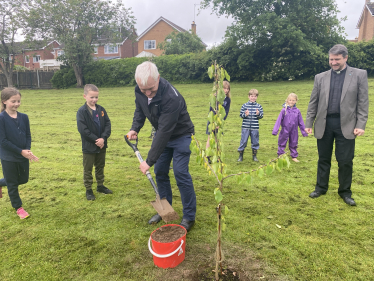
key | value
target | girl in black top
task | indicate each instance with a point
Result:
(15, 144)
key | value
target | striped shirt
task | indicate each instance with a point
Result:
(251, 121)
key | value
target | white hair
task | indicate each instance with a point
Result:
(144, 71)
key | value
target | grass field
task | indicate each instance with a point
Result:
(70, 238)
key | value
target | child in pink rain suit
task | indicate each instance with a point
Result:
(290, 119)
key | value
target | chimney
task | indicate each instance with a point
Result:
(193, 27)
(367, 1)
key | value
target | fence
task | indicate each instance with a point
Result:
(29, 80)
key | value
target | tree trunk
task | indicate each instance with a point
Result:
(78, 75)
(9, 78)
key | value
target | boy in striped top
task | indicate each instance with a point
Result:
(251, 112)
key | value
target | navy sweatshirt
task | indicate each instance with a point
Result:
(15, 136)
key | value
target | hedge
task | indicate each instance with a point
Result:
(246, 64)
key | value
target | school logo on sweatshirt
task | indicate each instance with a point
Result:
(102, 113)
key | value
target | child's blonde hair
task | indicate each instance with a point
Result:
(90, 88)
(253, 92)
(292, 95)
(226, 84)
(6, 94)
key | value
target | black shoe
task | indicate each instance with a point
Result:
(103, 189)
(254, 153)
(240, 156)
(187, 224)
(155, 219)
(90, 195)
(315, 194)
(349, 201)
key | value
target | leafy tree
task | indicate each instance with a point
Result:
(280, 38)
(10, 26)
(178, 43)
(77, 24)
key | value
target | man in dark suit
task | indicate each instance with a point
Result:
(338, 107)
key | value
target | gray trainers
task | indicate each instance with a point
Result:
(90, 195)
(103, 189)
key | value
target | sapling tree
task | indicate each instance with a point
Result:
(216, 153)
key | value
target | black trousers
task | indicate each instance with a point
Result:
(344, 153)
(15, 173)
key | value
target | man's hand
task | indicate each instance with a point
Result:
(257, 112)
(144, 167)
(132, 135)
(100, 142)
(28, 154)
(358, 132)
(309, 130)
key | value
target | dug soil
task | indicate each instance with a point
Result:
(168, 233)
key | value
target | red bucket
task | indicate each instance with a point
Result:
(168, 255)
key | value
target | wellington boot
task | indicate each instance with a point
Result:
(240, 156)
(254, 153)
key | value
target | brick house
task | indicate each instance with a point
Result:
(45, 57)
(127, 48)
(156, 33)
(38, 56)
(366, 23)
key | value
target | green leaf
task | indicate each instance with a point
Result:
(226, 210)
(269, 170)
(249, 179)
(223, 226)
(211, 71)
(218, 195)
(214, 160)
(227, 76)
(220, 176)
(198, 159)
(238, 179)
(280, 163)
(260, 173)
(287, 162)
(210, 116)
(223, 157)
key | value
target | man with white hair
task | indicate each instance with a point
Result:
(158, 101)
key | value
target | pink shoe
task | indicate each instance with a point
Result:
(1, 192)
(22, 213)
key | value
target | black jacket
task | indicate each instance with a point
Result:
(14, 137)
(167, 112)
(88, 130)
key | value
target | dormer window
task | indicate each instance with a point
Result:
(111, 49)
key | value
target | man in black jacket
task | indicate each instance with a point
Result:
(157, 100)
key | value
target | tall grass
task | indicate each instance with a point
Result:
(70, 238)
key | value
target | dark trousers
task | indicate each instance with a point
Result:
(90, 160)
(15, 173)
(344, 153)
(179, 151)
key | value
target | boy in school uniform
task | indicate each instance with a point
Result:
(95, 128)
(251, 112)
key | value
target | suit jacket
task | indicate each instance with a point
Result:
(354, 102)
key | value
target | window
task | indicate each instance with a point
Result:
(36, 58)
(111, 49)
(27, 59)
(60, 53)
(149, 44)
(96, 50)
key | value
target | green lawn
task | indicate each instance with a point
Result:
(69, 238)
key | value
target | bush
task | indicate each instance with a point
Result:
(64, 78)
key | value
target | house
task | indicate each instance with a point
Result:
(38, 56)
(366, 23)
(44, 56)
(155, 34)
(127, 48)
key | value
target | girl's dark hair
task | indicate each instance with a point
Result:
(6, 94)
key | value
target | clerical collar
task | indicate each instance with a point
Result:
(340, 71)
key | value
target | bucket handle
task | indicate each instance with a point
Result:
(163, 256)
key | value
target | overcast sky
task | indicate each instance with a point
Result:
(210, 28)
